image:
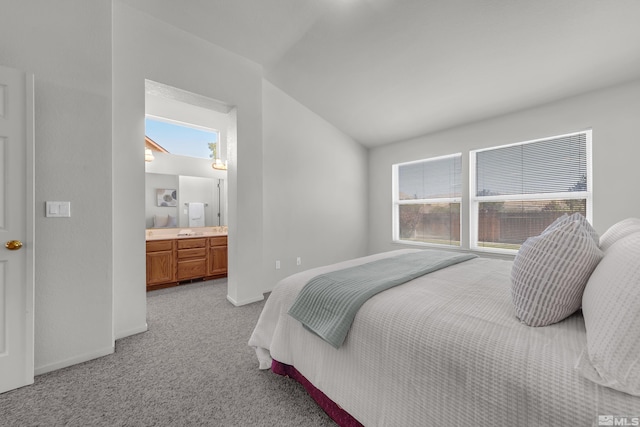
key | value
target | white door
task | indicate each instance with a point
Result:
(16, 229)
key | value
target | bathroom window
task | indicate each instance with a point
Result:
(182, 139)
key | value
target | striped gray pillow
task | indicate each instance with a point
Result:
(611, 308)
(558, 221)
(550, 272)
(564, 219)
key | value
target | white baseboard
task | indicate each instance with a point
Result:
(134, 331)
(244, 302)
(73, 361)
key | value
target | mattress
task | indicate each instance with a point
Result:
(442, 349)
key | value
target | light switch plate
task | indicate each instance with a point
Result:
(58, 209)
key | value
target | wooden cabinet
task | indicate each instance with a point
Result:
(160, 262)
(217, 260)
(172, 261)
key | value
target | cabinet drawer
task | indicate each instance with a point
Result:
(192, 243)
(191, 269)
(218, 241)
(159, 245)
(192, 253)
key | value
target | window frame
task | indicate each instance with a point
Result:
(475, 200)
(396, 202)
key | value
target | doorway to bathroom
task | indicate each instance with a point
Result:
(186, 140)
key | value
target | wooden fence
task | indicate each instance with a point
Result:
(493, 226)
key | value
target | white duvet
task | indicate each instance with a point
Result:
(443, 349)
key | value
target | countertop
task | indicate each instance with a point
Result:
(160, 236)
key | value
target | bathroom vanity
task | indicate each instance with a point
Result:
(180, 257)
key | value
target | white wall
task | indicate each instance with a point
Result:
(183, 165)
(612, 114)
(315, 189)
(67, 44)
(144, 48)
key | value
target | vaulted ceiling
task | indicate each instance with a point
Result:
(388, 70)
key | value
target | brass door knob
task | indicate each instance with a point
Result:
(13, 245)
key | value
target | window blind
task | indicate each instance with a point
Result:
(430, 179)
(555, 165)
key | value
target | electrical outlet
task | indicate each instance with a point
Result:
(277, 264)
(298, 261)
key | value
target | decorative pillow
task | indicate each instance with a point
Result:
(618, 231)
(160, 220)
(564, 219)
(171, 221)
(611, 309)
(550, 272)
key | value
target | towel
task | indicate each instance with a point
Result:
(196, 214)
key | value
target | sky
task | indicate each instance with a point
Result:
(181, 140)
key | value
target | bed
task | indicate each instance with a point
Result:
(447, 348)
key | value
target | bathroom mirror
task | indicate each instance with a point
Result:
(199, 201)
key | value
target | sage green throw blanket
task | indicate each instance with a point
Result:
(328, 304)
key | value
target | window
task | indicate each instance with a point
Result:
(517, 190)
(183, 139)
(426, 200)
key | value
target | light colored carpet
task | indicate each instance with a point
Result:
(191, 368)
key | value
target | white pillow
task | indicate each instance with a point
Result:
(611, 309)
(550, 272)
(160, 220)
(619, 230)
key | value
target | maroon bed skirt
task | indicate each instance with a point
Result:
(337, 414)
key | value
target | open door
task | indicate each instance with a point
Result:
(16, 229)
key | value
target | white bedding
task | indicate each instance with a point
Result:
(443, 349)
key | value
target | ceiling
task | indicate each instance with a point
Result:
(388, 70)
